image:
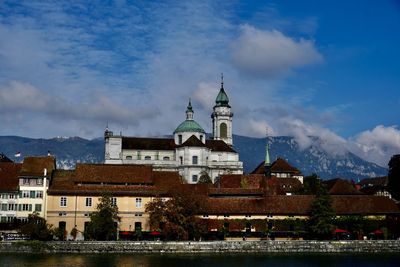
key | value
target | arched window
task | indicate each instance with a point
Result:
(147, 158)
(223, 131)
(165, 158)
(129, 157)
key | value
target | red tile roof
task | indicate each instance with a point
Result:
(154, 184)
(34, 166)
(192, 141)
(241, 181)
(219, 145)
(278, 166)
(110, 173)
(300, 205)
(9, 176)
(341, 187)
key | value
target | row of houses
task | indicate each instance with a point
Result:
(66, 198)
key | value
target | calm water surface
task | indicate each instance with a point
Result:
(220, 260)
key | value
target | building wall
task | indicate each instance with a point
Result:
(32, 197)
(76, 212)
(8, 206)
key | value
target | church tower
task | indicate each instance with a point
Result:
(222, 117)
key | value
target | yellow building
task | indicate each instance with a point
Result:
(74, 195)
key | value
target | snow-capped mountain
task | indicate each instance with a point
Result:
(314, 159)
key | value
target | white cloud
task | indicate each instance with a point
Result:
(270, 53)
(377, 145)
(304, 133)
(22, 98)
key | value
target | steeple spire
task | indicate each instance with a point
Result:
(189, 111)
(222, 80)
(267, 162)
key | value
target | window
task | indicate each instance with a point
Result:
(12, 206)
(4, 196)
(201, 138)
(32, 194)
(25, 194)
(194, 160)
(138, 202)
(39, 181)
(139, 155)
(205, 216)
(88, 202)
(194, 178)
(129, 157)
(114, 201)
(223, 131)
(3, 219)
(26, 181)
(147, 158)
(63, 201)
(165, 158)
(38, 207)
(138, 214)
(180, 139)
(11, 196)
(39, 194)
(25, 207)
(3, 207)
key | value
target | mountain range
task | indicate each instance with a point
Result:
(314, 159)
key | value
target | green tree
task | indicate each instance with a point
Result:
(37, 228)
(311, 184)
(204, 178)
(394, 176)
(177, 217)
(103, 223)
(321, 215)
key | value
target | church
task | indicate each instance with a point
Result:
(189, 151)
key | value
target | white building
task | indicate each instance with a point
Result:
(189, 152)
(34, 179)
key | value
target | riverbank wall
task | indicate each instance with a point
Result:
(295, 246)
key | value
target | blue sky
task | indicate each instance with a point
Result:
(324, 68)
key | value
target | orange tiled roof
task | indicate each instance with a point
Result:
(241, 181)
(9, 176)
(300, 205)
(134, 180)
(278, 166)
(34, 166)
(113, 173)
(341, 187)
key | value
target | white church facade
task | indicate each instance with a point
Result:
(189, 152)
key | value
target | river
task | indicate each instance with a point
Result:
(209, 260)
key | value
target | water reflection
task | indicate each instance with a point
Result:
(220, 260)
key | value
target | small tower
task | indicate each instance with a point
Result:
(188, 128)
(222, 117)
(267, 162)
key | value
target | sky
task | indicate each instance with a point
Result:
(301, 68)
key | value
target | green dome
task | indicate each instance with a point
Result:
(222, 99)
(189, 126)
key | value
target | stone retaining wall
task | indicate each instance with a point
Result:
(296, 246)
